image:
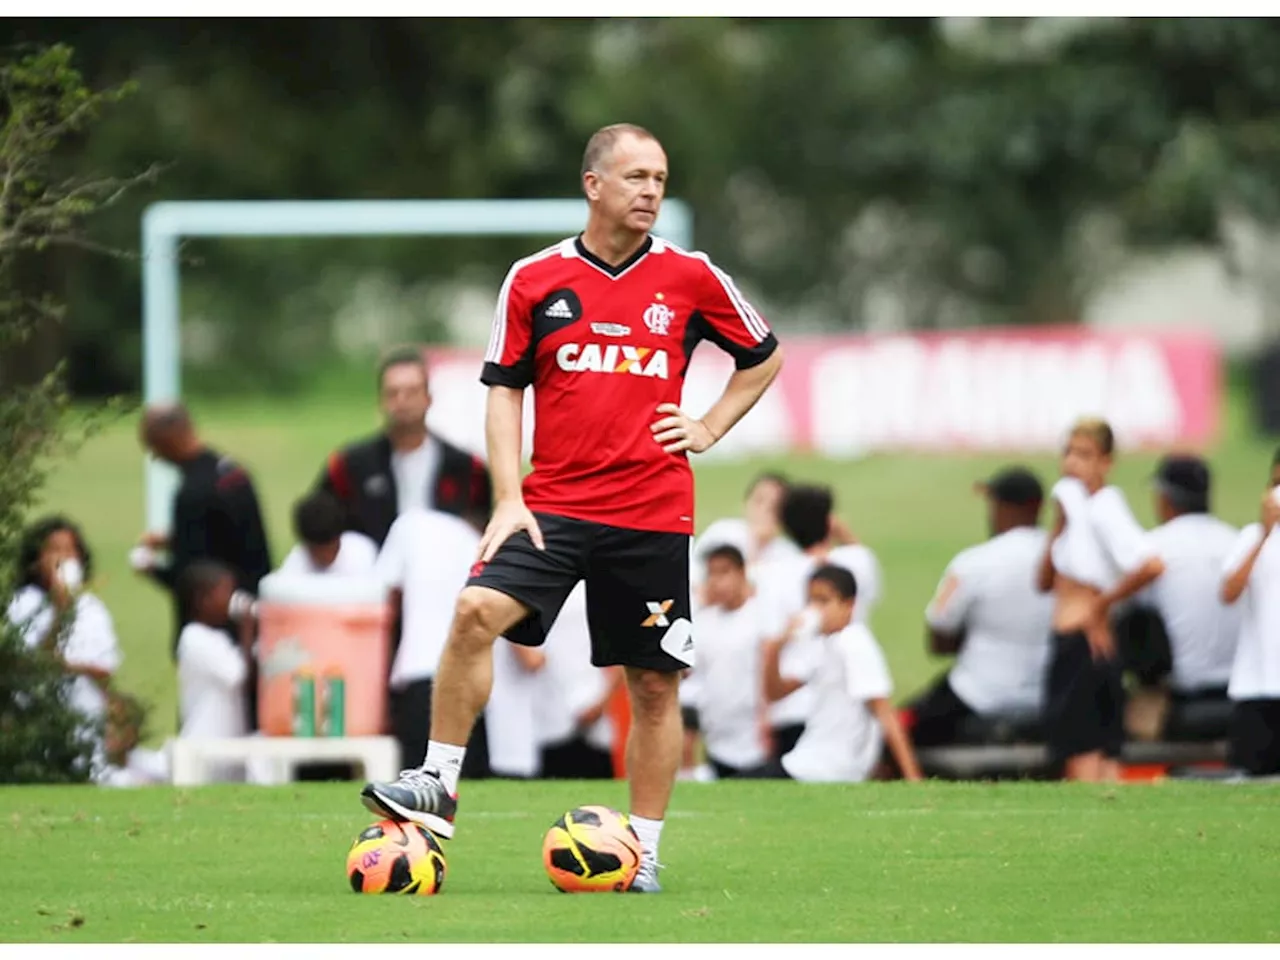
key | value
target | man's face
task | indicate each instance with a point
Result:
(323, 554)
(404, 397)
(726, 583)
(153, 441)
(628, 188)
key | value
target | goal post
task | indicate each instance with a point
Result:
(165, 224)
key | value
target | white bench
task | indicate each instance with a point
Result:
(274, 760)
(972, 762)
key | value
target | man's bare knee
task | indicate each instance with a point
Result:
(481, 615)
(653, 694)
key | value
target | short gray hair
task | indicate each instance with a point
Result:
(603, 140)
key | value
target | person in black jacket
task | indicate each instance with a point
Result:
(216, 515)
(404, 466)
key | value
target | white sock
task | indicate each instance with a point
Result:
(649, 832)
(446, 758)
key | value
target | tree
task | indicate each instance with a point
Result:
(44, 108)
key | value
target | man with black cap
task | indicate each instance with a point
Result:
(988, 611)
(1201, 629)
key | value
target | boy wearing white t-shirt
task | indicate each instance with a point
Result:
(324, 546)
(212, 667)
(782, 585)
(852, 717)
(425, 561)
(757, 534)
(732, 714)
(1252, 574)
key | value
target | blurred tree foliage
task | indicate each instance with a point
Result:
(848, 172)
(45, 196)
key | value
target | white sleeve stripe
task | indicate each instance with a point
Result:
(750, 319)
(753, 322)
(498, 333)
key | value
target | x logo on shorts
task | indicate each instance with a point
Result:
(658, 614)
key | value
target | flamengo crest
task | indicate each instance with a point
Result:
(658, 319)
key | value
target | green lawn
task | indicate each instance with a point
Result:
(744, 862)
(915, 511)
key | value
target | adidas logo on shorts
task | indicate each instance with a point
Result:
(560, 310)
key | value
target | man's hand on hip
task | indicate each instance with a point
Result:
(678, 431)
(509, 517)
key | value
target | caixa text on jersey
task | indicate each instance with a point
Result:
(612, 358)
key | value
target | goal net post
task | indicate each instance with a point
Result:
(164, 225)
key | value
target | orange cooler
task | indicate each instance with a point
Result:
(318, 626)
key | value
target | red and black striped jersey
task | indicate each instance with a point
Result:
(603, 346)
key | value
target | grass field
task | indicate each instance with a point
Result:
(744, 862)
(915, 511)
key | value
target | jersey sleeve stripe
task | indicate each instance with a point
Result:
(750, 319)
(498, 333)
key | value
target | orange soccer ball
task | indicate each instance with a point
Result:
(591, 849)
(391, 857)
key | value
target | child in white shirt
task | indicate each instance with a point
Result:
(1096, 557)
(852, 716)
(732, 714)
(212, 667)
(1252, 575)
(323, 546)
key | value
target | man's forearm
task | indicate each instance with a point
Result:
(503, 431)
(1235, 582)
(776, 686)
(943, 643)
(1133, 581)
(745, 387)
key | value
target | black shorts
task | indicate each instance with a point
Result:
(785, 739)
(1084, 703)
(637, 589)
(1254, 737)
(769, 770)
(938, 715)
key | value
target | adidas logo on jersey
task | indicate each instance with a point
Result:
(560, 310)
(614, 358)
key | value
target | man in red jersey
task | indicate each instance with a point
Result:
(602, 326)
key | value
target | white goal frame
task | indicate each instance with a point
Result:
(165, 224)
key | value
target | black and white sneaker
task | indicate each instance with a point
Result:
(419, 795)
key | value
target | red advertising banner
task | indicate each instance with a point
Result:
(1007, 390)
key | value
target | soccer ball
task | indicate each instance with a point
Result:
(591, 849)
(391, 857)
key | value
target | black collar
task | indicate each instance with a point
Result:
(609, 268)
